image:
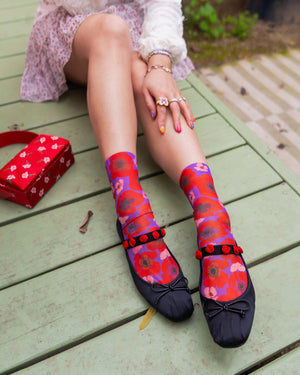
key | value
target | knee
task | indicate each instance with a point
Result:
(110, 31)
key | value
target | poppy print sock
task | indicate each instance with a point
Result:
(152, 261)
(224, 276)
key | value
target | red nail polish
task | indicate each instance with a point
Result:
(178, 128)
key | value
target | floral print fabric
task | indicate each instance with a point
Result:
(50, 46)
(152, 261)
(224, 277)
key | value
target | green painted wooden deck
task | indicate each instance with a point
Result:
(68, 304)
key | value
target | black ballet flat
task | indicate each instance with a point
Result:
(173, 300)
(229, 322)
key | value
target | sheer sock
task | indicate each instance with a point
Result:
(152, 261)
(224, 276)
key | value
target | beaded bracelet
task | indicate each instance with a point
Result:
(160, 52)
(164, 68)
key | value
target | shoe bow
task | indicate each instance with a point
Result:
(213, 308)
(164, 289)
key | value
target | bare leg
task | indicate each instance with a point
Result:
(172, 151)
(101, 58)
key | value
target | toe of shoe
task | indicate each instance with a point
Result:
(230, 330)
(176, 306)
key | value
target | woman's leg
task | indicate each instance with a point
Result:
(172, 151)
(224, 277)
(181, 157)
(101, 58)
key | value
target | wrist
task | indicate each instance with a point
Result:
(160, 60)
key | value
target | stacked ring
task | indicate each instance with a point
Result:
(162, 100)
(182, 99)
(174, 100)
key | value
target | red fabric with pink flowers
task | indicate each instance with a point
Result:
(31, 173)
(224, 276)
(151, 260)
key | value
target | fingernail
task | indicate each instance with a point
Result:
(192, 125)
(162, 129)
(178, 128)
(152, 114)
(194, 119)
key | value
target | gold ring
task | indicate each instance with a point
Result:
(162, 100)
(182, 99)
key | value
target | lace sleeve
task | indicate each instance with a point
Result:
(163, 28)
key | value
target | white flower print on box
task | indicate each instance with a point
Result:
(68, 163)
(46, 179)
(46, 160)
(26, 166)
(13, 168)
(54, 138)
(10, 177)
(42, 139)
(33, 190)
(25, 175)
(54, 147)
(23, 154)
(41, 192)
(58, 177)
(62, 160)
(41, 149)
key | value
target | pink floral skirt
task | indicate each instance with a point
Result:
(50, 46)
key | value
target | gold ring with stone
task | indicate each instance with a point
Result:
(162, 100)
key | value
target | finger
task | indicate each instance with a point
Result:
(161, 111)
(175, 110)
(187, 113)
(150, 103)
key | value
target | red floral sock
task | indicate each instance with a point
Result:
(224, 276)
(152, 261)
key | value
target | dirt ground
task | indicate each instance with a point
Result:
(266, 37)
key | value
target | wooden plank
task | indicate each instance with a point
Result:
(287, 364)
(287, 174)
(18, 14)
(80, 181)
(16, 28)
(8, 89)
(13, 46)
(70, 105)
(201, 107)
(87, 297)
(79, 132)
(47, 254)
(11, 66)
(31, 115)
(16, 3)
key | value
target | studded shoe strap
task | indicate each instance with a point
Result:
(217, 250)
(144, 238)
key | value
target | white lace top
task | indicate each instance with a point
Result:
(162, 27)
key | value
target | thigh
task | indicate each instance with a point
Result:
(76, 69)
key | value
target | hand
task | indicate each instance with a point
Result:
(159, 83)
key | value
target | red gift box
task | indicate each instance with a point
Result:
(35, 169)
